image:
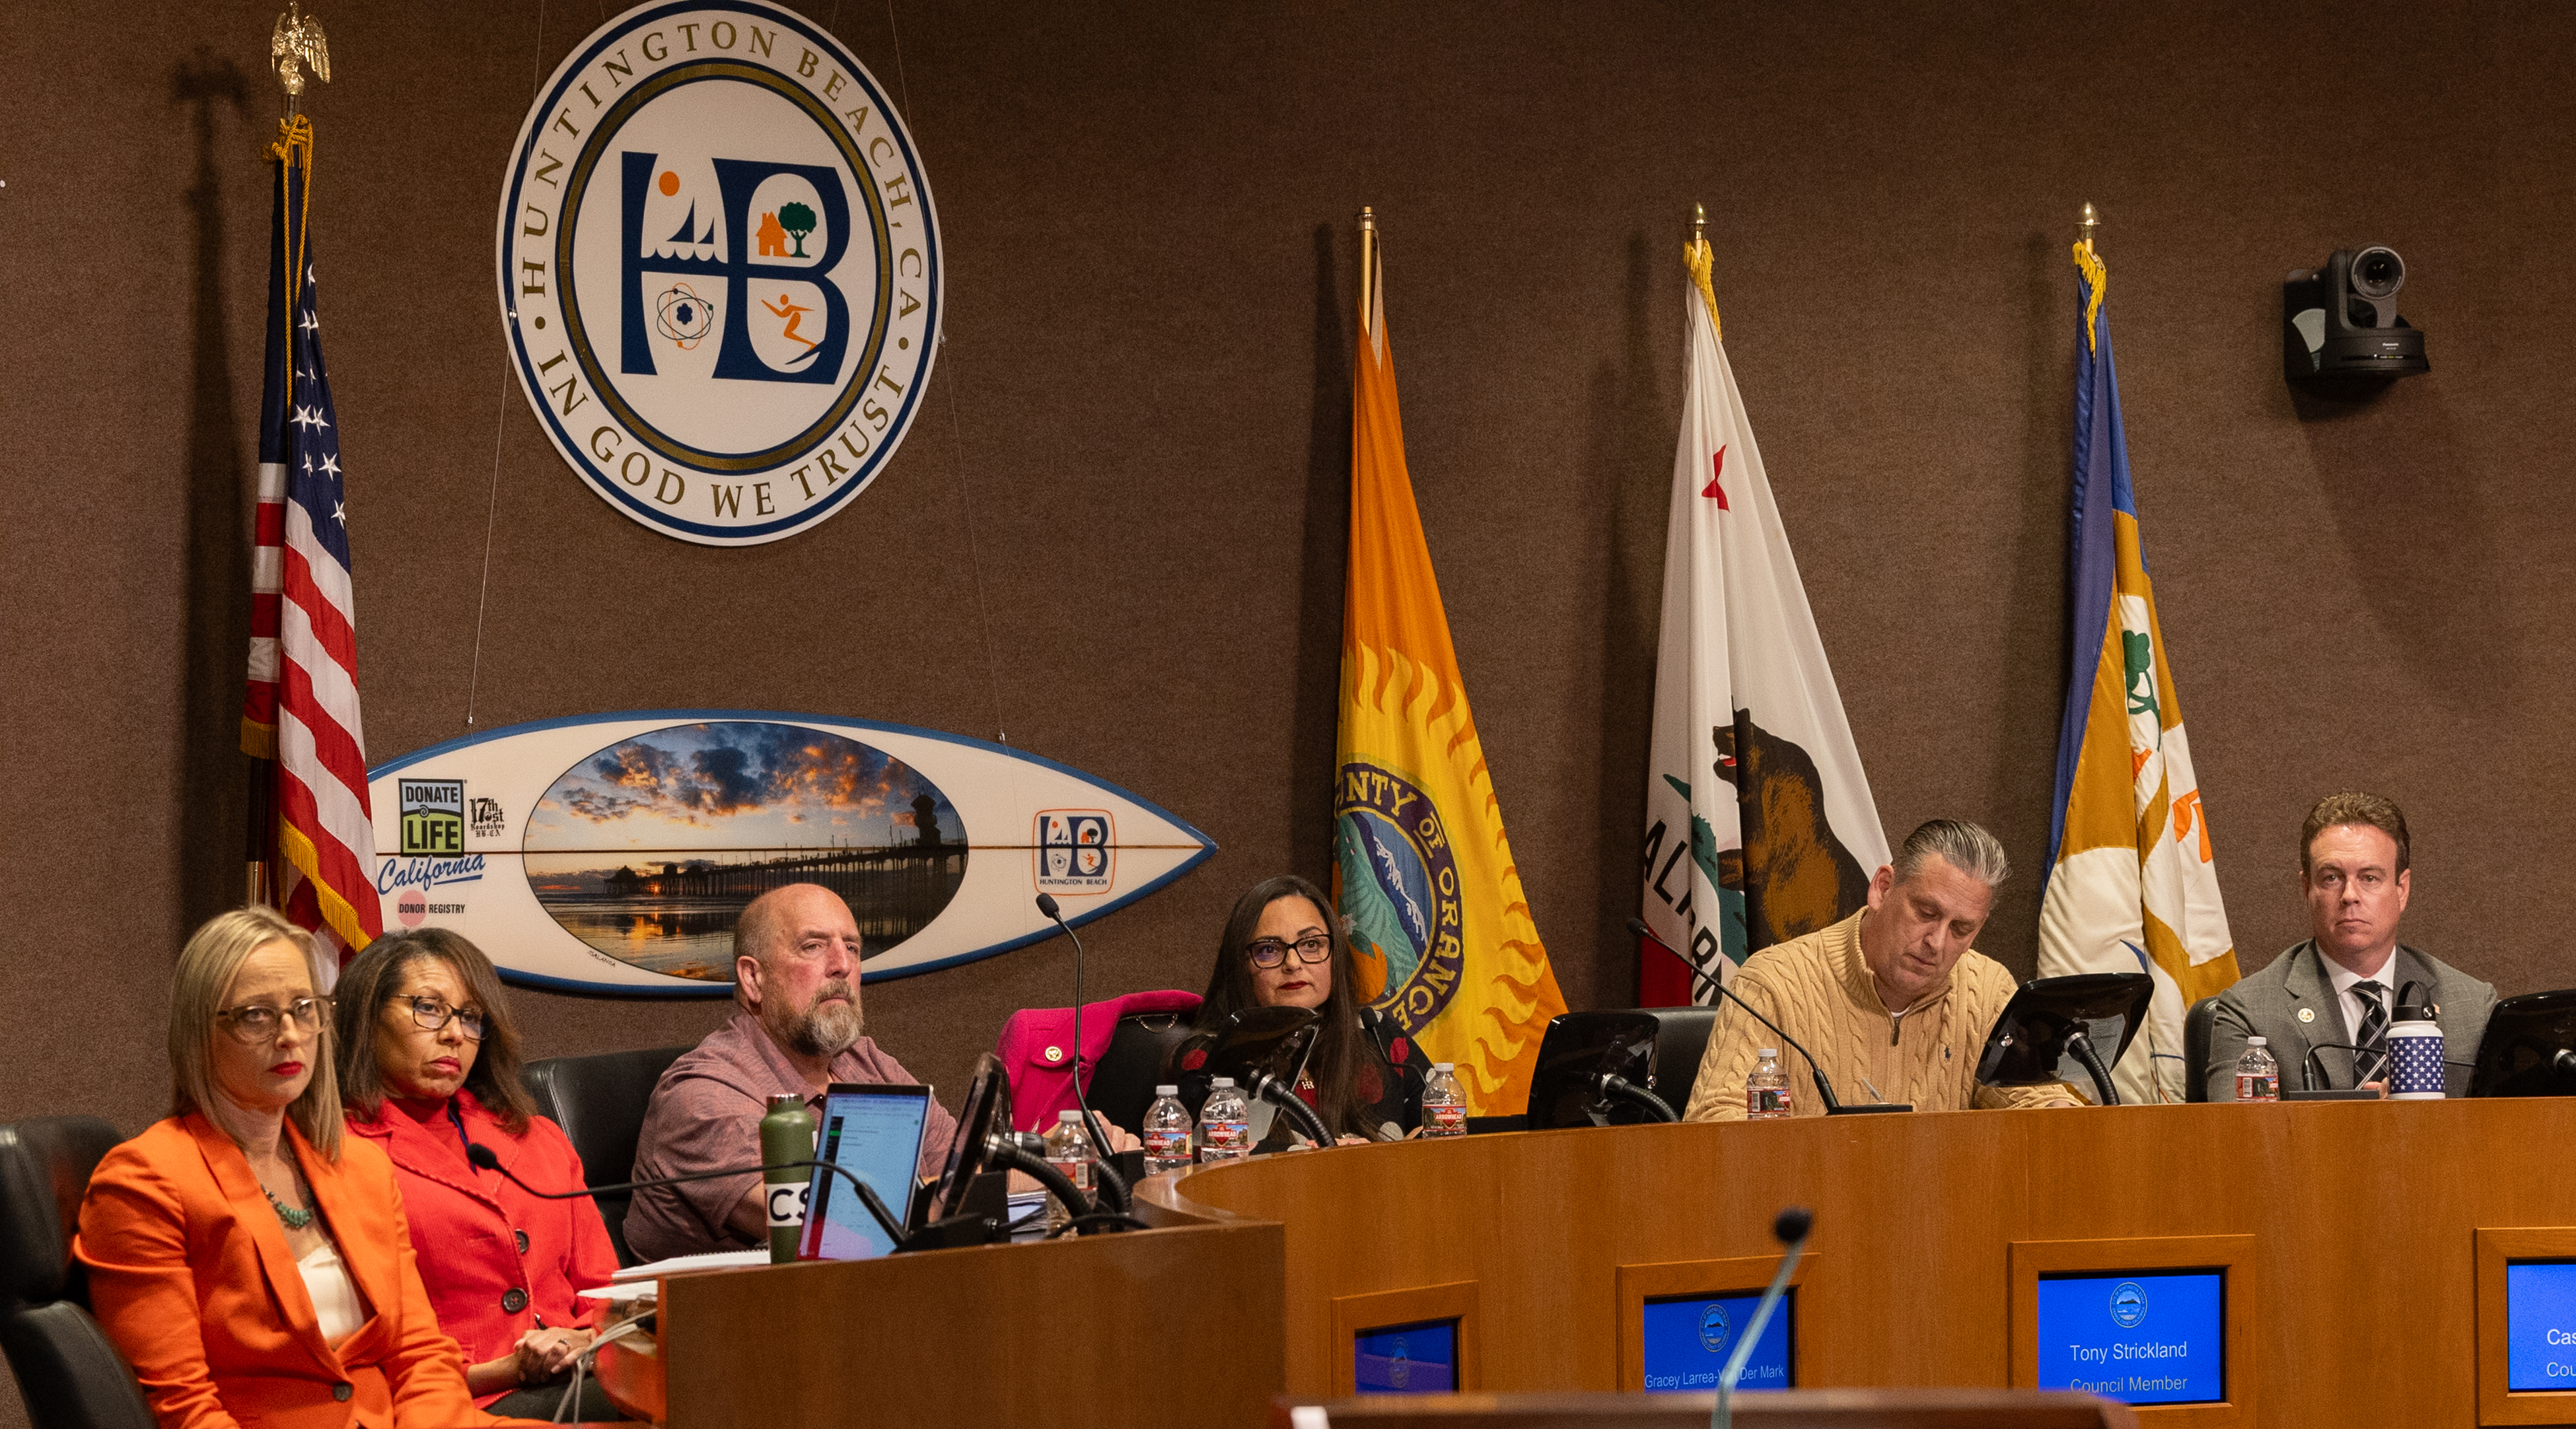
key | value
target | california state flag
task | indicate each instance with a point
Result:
(1759, 825)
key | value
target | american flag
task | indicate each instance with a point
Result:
(301, 708)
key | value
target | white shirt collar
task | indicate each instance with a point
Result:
(2342, 979)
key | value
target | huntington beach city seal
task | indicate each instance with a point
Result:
(719, 269)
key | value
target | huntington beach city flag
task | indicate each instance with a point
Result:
(1759, 824)
(2132, 881)
(1439, 925)
(301, 707)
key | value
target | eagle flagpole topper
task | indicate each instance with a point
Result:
(298, 41)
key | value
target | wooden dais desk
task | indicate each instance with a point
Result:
(1067, 1332)
(2349, 1232)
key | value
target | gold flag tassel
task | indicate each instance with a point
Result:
(2089, 263)
(1703, 262)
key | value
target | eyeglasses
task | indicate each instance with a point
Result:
(1270, 952)
(431, 1014)
(258, 1022)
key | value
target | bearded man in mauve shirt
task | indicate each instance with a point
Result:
(796, 975)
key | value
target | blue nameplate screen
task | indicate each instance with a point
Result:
(1406, 1359)
(2540, 1325)
(1687, 1342)
(2141, 1339)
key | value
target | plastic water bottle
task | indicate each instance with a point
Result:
(1167, 1132)
(1766, 1092)
(2258, 1075)
(1225, 1126)
(786, 1134)
(1444, 1106)
(1069, 1152)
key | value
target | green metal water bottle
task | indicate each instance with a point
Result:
(786, 1134)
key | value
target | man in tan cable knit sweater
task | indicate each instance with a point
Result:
(1894, 1001)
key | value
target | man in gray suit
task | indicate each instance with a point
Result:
(2341, 985)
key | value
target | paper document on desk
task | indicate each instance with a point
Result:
(680, 1264)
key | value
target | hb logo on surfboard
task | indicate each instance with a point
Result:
(720, 269)
(1076, 850)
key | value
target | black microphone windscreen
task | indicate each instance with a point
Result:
(1793, 1225)
(481, 1156)
(1046, 904)
(1638, 927)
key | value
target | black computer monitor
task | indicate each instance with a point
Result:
(2032, 1039)
(987, 1110)
(2529, 1049)
(1578, 1048)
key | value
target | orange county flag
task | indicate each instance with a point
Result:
(1759, 822)
(2132, 877)
(1421, 870)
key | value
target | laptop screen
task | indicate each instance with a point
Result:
(873, 1132)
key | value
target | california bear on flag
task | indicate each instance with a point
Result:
(1759, 825)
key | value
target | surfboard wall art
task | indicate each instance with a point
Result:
(613, 853)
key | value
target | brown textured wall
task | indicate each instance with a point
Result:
(1116, 532)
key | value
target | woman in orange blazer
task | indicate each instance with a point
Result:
(253, 1265)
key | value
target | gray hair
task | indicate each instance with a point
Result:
(1962, 845)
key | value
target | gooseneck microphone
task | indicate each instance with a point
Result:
(2310, 1069)
(1092, 1129)
(1789, 1228)
(1026, 1151)
(482, 1159)
(1824, 1088)
(1275, 1089)
(1611, 1084)
(2079, 1045)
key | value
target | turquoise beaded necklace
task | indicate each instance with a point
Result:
(295, 1220)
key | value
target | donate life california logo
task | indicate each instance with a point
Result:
(720, 270)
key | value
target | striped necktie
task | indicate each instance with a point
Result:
(2371, 1063)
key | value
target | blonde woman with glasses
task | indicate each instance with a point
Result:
(252, 1263)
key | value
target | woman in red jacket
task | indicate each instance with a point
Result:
(250, 1261)
(429, 1063)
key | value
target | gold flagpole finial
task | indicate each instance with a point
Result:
(1699, 224)
(2089, 229)
(298, 41)
(1368, 272)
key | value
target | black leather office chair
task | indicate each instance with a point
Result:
(67, 1372)
(599, 1102)
(1679, 1041)
(1122, 1085)
(2195, 1049)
